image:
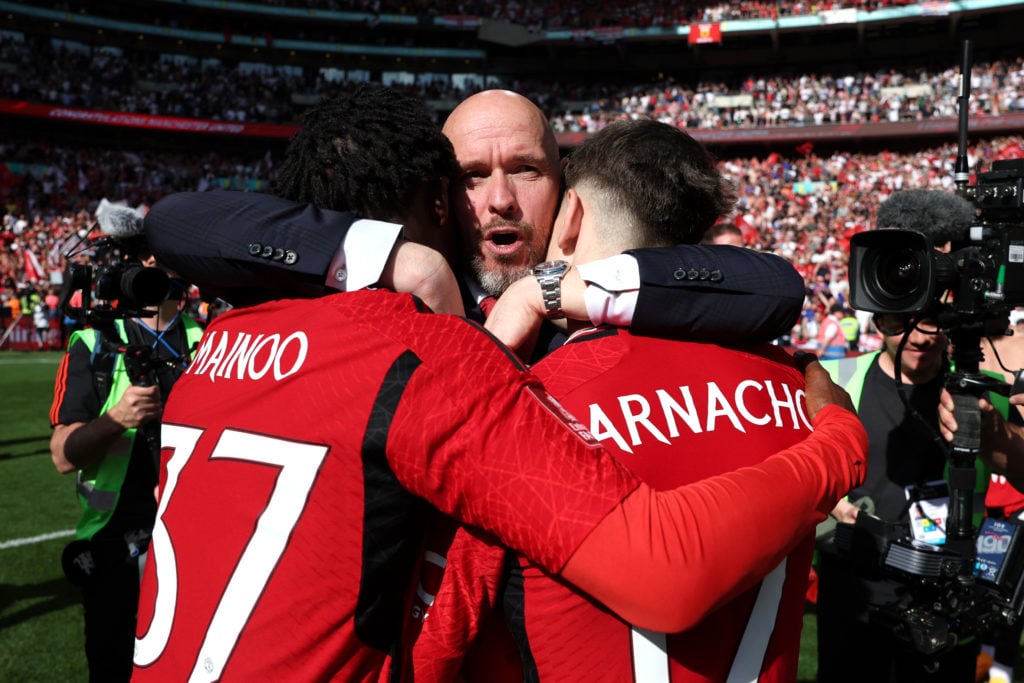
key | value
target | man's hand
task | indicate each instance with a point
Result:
(137, 406)
(845, 512)
(519, 312)
(517, 315)
(820, 390)
(81, 444)
(423, 272)
(1002, 443)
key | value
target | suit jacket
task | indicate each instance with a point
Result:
(247, 248)
(716, 293)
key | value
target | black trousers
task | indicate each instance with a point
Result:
(111, 602)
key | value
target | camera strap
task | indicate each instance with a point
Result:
(101, 359)
(159, 337)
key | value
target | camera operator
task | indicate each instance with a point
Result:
(902, 458)
(103, 429)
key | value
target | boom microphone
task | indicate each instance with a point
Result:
(118, 221)
(943, 216)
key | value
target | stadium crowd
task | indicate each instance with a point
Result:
(810, 99)
(553, 15)
(803, 207)
(36, 70)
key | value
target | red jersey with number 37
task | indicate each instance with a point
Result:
(287, 528)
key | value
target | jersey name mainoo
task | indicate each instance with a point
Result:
(243, 356)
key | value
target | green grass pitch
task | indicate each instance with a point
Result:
(40, 615)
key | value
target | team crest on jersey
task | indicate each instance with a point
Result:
(565, 417)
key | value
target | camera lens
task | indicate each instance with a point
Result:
(145, 286)
(899, 272)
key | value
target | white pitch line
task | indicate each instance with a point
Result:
(15, 542)
(26, 360)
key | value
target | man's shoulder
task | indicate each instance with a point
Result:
(608, 349)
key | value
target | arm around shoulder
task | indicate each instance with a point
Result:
(681, 553)
(716, 293)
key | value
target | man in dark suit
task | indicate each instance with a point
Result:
(247, 247)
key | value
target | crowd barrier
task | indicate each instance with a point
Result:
(20, 335)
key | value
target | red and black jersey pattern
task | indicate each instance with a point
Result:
(293, 447)
(674, 412)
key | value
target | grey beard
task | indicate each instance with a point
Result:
(496, 281)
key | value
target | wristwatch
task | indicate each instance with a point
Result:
(549, 274)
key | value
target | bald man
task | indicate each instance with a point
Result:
(250, 247)
(507, 187)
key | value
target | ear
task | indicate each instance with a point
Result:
(570, 219)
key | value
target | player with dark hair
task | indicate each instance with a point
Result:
(301, 444)
(638, 184)
(366, 168)
(345, 160)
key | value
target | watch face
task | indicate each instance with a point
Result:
(551, 267)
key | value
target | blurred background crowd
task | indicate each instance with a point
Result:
(808, 180)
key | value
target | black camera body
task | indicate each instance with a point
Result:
(899, 271)
(119, 287)
(947, 596)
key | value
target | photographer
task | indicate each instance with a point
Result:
(903, 457)
(105, 428)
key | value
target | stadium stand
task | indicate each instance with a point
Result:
(200, 94)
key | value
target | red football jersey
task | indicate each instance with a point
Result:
(676, 413)
(293, 449)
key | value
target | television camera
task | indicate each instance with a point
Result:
(971, 584)
(113, 286)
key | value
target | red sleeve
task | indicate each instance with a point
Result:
(496, 451)
(679, 553)
(458, 589)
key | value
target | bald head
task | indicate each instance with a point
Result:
(501, 111)
(507, 188)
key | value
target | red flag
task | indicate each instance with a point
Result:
(806, 149)
(705, 33)
(746, 229)
(33, 270)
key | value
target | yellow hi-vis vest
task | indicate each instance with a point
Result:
(849, 373)
(99, 485)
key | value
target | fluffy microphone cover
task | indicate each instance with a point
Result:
(118, 221)
(943, 216)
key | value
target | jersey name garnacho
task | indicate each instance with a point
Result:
(677, 412)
